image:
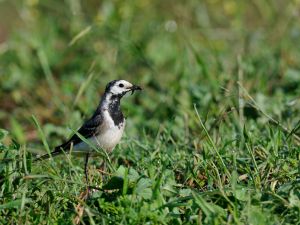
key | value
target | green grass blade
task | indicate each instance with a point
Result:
(42, 135)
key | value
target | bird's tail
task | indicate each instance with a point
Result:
(36, 159)
(56, 152)
(47, 156)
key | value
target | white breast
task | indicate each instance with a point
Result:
(112, 134)
(109, 136)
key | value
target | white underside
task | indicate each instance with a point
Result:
(110, 135)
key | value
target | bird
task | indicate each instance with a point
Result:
(104, 128)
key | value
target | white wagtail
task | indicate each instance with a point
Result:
(105, 128)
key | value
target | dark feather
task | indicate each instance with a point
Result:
(88, 129)
(115, 112)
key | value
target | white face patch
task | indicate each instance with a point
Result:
(120, 87)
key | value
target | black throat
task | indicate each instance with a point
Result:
(114, 109)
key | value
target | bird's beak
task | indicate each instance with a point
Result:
(134, 88)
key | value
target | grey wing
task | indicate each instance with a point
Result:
(89, 128)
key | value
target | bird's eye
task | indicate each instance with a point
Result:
(121, 85)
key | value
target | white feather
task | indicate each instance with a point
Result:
(107, 140)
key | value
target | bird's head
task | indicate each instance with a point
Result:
(119, 88)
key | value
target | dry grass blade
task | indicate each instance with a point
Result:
(255, 105)
(80, 35)
(79, 208)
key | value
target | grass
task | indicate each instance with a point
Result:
(212, 139)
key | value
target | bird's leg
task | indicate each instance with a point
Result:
(86, 170)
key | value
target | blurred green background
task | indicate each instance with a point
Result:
(236, 62)
(182, 52)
